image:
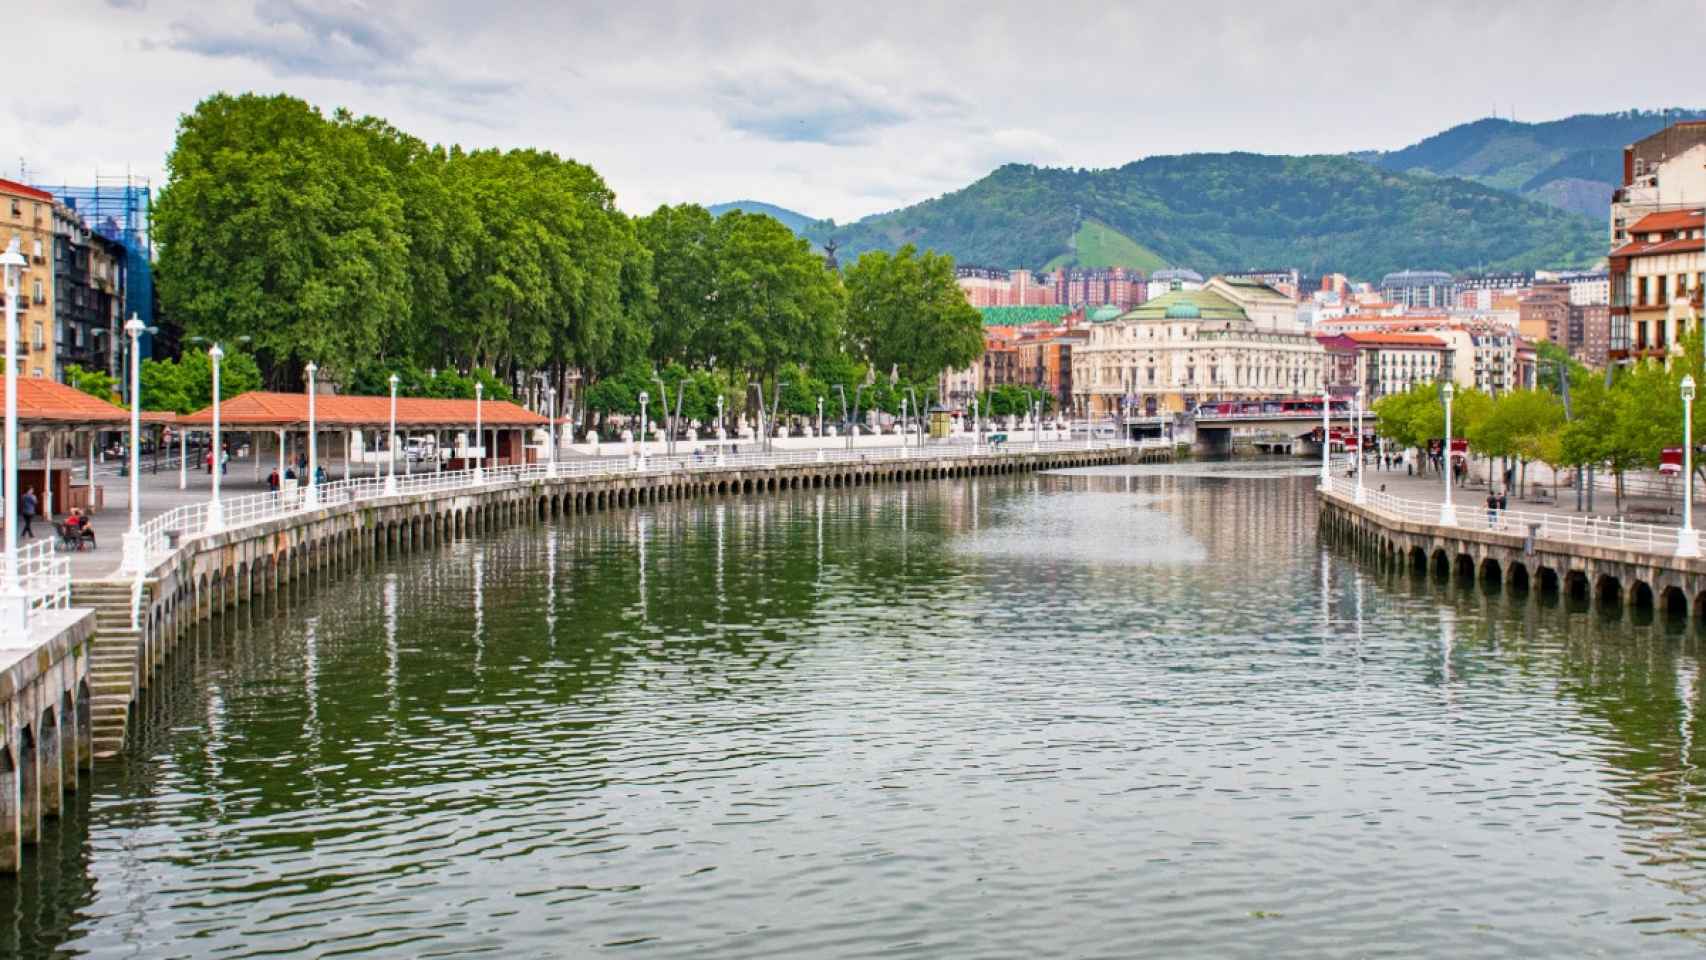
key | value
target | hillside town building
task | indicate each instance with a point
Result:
(1228, 340)
(1656, 283)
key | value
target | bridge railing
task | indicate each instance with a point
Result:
(44, 575)
(1474, 515)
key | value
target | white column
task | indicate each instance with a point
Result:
(1447, 512)
(1361, 496)
(215, 509)
(312, 498)
(479, 434)
(183, 458)
(1326, 436)
(14, 604)
(47, 479)
(135, 550)
(1687, 539)
(391, 442)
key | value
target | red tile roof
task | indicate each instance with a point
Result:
(1666, 221)
(1396, 339)
(23, 189)
(1639, 249)
(261, 409)
(47, 402)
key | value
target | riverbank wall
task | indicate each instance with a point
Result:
(1612, 578)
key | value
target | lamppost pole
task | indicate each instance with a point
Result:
(820, 418)
(312, 499)
(551, 433)
(215, 510)
(391, 441)
(479, 432)
(1326, 436)
(645, 398)
(1447, 512)
(1687, 539)
(14, 605)
(134, 548)
(1360, 495)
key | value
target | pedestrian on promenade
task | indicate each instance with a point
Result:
(224, 461)
(27, 505)
(319, 475)
(207, 461)
(272, 480)
(1492, 509)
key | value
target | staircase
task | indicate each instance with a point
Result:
(115, 660)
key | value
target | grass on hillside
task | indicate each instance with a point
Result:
(1100, 245)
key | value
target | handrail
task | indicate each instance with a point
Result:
(45, 576)
(1593, 531)
(189, 522)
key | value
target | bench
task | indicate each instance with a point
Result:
(73, 538)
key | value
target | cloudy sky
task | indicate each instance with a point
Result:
(837, 109)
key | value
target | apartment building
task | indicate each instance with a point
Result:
(26, 215)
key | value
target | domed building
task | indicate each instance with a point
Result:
(1230, 340)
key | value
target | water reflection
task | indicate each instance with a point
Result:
(889, 720)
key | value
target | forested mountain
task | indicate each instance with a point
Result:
(1573, 163)
(1218, 212)
(796, 222)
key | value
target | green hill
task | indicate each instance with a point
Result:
(796, 222)
(1099, 245)
(1230, 211)
(1573, 163)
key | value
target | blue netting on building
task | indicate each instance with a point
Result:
(120, 208)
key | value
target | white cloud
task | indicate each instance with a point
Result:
(832, 109)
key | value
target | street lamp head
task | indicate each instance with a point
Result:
(13, 260)
(479, 389)
(1688, 387)
(133, 326)
(645, 397)
(215, 352)
(1447, 391)
(395, 380)
(312, 369)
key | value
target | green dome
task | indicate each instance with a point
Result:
(1183, 310)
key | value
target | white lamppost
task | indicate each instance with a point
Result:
(391, 443)
(479, 432)
(1447, 512)
(313, 497)
(820, 416)
(645, 398)
(1688, 539)
(1360, 495)
(976, 424)
(14, 605)
(215, 511)
(1326, 436)
(721, 434)
(134, 548)
(551, 434)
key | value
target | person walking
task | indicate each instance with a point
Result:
(272, 481)
(224, 461)
(27, 505)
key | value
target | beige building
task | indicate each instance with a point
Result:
(27, 215)
(1230, 340)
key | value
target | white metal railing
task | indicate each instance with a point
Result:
(1473, 515)
(45, 575)
(190, 521)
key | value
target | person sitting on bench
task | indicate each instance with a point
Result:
(78, 524)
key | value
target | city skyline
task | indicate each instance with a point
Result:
(673, 103)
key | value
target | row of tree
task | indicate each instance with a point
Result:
(345, 241)
(1620, 420)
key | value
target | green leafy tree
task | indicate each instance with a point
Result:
(280, 224)
(185, 385)
(95, 383)
(906, 312)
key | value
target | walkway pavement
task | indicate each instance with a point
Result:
(1647, 507)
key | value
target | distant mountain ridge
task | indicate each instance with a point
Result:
(793, 220)
(1573, 163)
(1489, 194)
(1231, 211)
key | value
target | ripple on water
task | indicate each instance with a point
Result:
(1059, 716)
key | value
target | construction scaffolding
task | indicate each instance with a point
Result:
(120, 207)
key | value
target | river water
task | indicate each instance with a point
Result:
(1098, 714)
